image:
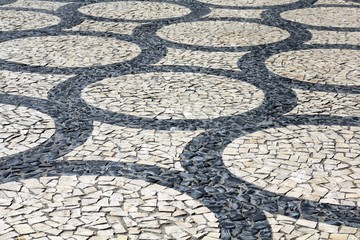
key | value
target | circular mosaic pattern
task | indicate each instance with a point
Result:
(195, 80)
(222, 33)
(345, 17)
(174, 95)
(11, 20)
(104, 207)
(22, 129)
(319, 163)
(248, 3)
(68, 51)
(135, 10)
(315, 66)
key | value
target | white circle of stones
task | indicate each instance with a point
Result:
(323, 66)
(173, 95)
(68, 51)
(344, 17)
(22, 128)
(135, 10)
(318, 163)
(248, 3)
(11, 20)
(222, 33)
(101, 207)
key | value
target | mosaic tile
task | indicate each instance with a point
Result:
(99, 26)
(22, 129)
(218, 60)
(334, 37)
(315, 67)
(173, 95)
(288, 228)
(29, 84)
(135, 10)
(234, 13)
(325, 16)
(335, 104)
(71, 207)
(318, 163)
(36, 4)
(133, 145)
(68, 51)
(11, 20)
(249, 3)
(222, 33)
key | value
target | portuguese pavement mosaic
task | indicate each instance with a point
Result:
(179, 119)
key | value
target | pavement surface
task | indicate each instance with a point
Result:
(179, 119)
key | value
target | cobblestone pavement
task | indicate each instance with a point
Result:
(179, 119)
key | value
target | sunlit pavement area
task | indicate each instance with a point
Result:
(179, 119)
